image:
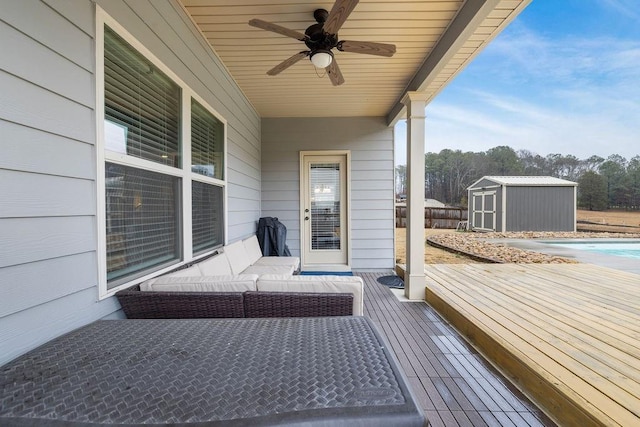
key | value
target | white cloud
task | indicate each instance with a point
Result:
(565, 95)
(538, 128)
(628, 8)
(526, 55)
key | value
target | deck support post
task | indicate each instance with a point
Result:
(414, 278)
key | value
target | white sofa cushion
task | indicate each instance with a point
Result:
(228, 283)
(237, 257)
(292, 261)
(194, 270)
(215, 266)
(269, 269)
(252, 247)
(320, 284)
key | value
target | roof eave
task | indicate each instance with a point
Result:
(466, 23)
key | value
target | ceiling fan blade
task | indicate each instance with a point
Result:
(259, 23)
(287, 63)
(369, 48)
(335, 75)
(339, 13)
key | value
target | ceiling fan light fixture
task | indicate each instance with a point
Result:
(321, 58)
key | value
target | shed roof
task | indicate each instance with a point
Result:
(533, 181)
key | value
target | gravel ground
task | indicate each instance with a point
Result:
(432, 254)
(476, 246)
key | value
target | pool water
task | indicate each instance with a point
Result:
(629, 249)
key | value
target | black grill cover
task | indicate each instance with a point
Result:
(272, 236)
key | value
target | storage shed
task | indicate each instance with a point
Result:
(522, 203)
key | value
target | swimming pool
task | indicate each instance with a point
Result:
(630, 249)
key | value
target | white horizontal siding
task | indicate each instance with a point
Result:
(48, 272)
(35, 283)
(371, 144)
(30, 105)
(24, 240)
(52, 29)
(71, 80)
(370, 196)
(28, 194)
(33, 150)
(48, 244)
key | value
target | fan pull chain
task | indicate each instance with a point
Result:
(320, 75)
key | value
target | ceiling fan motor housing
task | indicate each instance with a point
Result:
(320, 15)
(317, 38)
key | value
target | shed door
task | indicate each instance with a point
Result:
(484, 210)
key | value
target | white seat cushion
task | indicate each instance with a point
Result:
(194, 270)
(251, 245)
(270, 269)
(237, 257)
(320, 284)
(215, 266)
(239, 283)
(292, 261)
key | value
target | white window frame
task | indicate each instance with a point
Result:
(103, 156)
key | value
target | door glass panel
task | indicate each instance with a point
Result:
(325, 206)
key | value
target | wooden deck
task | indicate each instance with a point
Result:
(454, 385)
(567, 334)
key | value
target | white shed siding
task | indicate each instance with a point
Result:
(372, 213)
(48, 244)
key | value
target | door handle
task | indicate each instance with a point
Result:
(306, 218)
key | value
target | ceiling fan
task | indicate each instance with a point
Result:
(320, 38)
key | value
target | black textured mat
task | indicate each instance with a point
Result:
(210, 372)
(393, 281)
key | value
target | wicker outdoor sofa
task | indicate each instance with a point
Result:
(184, 305)
(240, 282)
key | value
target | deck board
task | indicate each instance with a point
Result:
(454, 385)
(568, 334)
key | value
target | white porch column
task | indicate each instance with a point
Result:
(414, 278)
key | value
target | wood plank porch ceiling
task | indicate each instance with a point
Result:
(435, 40)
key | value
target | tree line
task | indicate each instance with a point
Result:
(608, 183)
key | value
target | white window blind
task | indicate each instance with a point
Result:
(325, 206)
(142, 221)
(143, 100)
(207, 201)
(207, 142)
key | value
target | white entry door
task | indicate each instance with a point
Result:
(324, 212)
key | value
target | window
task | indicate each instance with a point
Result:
(142, 220)
(141, 102)
(163, 164)
(207, 154)
(207, 215)
(207, 139)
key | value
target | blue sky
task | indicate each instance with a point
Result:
(564, 78)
